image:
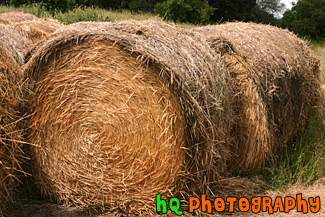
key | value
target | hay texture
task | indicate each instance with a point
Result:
(32, 28)
(37, 29)
(11, 155)
(277, 81)
(123, 111)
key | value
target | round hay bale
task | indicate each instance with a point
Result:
(277, 80)
(123, 111)
(37, 29)
(11, 155)
(15, 16)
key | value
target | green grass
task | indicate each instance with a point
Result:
(303, 161)
(81, 14)
(87, 14)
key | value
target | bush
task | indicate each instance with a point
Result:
(193, 11)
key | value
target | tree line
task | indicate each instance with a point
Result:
(306, 18)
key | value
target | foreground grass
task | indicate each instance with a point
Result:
(302, 162)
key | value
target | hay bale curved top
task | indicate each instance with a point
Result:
(183, 63)
(15, 16)
(29, 26)
(10, 98)
(37, 29)
(278, 79)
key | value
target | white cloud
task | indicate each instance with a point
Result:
(288, 3)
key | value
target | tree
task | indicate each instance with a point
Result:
(17, 3)
(140, 5)
(271, 6)
(266, 10)
(306, 18)
(226, 10)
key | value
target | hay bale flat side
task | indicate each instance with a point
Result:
(279, 89)
(11, 155)
(117, 105)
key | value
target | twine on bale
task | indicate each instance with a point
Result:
(123, 111)
(277, 79)
(11, 154)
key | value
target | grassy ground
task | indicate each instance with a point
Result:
(301, 163)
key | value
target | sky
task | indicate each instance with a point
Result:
(288, 6)
(288, 3)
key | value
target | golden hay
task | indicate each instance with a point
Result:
(116, 106)
(11, 155)
(277, 79)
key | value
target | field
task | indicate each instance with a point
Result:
(299, 167)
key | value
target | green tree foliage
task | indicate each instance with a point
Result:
(17, 3)
(140, 5)
(59, 5)
(193, 11)
(306, 18)
(241, 10)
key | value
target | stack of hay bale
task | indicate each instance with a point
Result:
(120, 112)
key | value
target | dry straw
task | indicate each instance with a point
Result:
(277, 80)
(123, 111)
(11, 155)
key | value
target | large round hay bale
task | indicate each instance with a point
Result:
(11, 155)
(277, 80)
(123, 111)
